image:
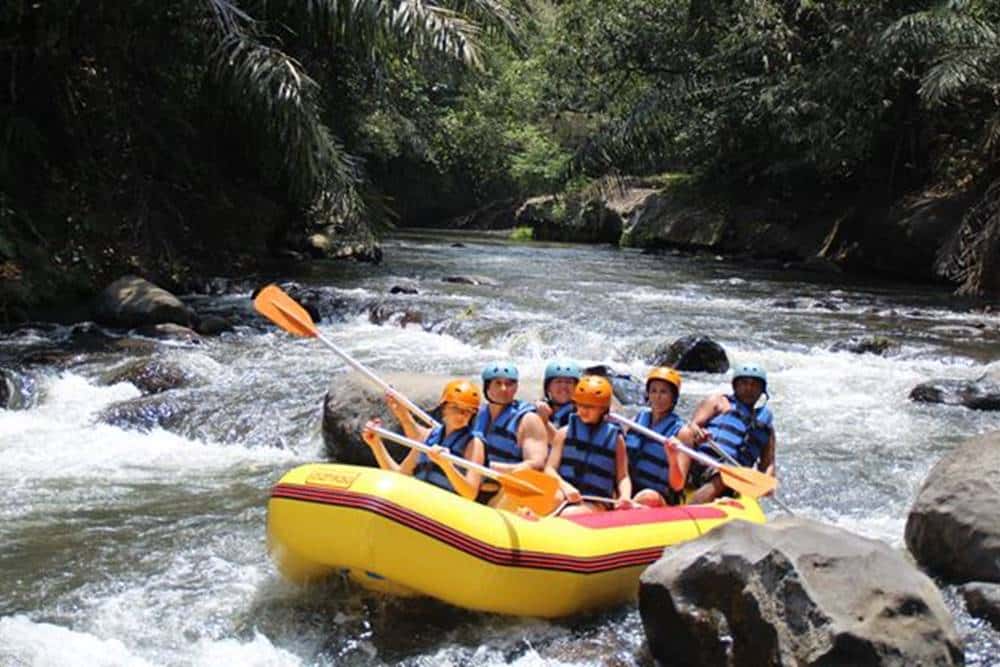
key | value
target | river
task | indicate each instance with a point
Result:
(132, 547)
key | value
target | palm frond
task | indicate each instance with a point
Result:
(430, 26)
(272, 89)
(930, 30)
(972, 257)
(955, 72)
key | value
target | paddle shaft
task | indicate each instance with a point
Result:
(674, 442)
(457, 460)
(364, 370)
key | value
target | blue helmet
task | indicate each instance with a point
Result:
(499, 369)
(750, 371)
(562, 368)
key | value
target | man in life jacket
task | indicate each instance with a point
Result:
(561, 376)
(656, 476)
(588, 454)
(513, 434)
(735, 424)
(459, 405)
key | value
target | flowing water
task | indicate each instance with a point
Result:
(146, 547)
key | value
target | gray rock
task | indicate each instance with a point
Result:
(388, 313)
(879, 345)
(471, 280)
(628, 389)
(403, 289)
(662, 219)
(150, 375)
(692, 353)
(578, 221)
(793, 592)
(954, 528)
(351, 401)
(981, 394)
(983, 601)
(145, 413)
(131, 302)
(213, 325)
(171, 332)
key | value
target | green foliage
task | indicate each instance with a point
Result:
(522, 234)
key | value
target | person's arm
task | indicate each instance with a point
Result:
(679, 462)
(385, 461)
(412, 429)
(624, 482)
(534, 444)
(544, 411)
(704, 413)
(767, 463)
(467, 485)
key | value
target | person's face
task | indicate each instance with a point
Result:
(502, 390)
(456, 416)
(590, 414)
(748, 390)
(661, 396)
(561, 390)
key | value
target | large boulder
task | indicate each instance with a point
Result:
(351, 400)
(131, 302)
(983, 601)
(628, 389)
(692, 353)
(146, 413)
(587, 220)
(664, 220)
(954, 527)
(150, 375)
(793, 592)
(879, 345)
(981, 394)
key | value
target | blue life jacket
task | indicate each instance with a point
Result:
(500, 436)
(560, 415)
(456, 443)
(648, 463)
(742, 432)
(588, 457)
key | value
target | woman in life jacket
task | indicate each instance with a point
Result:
(588, 454)
(656, 476)
(561, 376)
(512, 433)
(737, 426)
(459, 405)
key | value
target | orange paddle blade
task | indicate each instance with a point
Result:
(541, 499)
(275, 305)
(747, 481)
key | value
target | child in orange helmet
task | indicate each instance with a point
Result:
(588, 454)
(459, 404)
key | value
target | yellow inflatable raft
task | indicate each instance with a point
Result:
(397, 534)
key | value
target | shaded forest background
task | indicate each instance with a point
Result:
(185, 138)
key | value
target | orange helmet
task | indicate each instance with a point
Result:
(463, 393)
(668, 375)
(593, 390)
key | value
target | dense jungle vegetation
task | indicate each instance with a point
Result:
(176, 137)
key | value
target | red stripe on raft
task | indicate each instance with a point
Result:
(638, 517)
(467, 544)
